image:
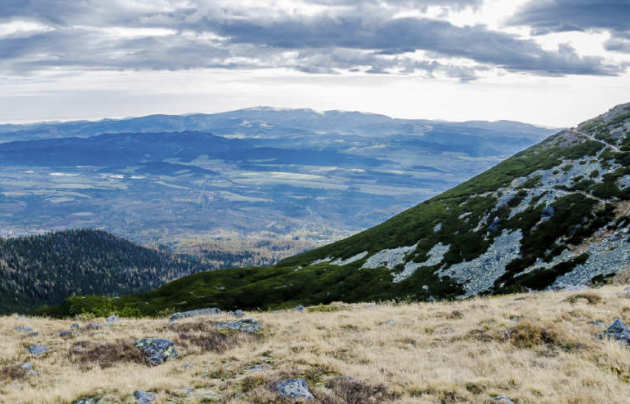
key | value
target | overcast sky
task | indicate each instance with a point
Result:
(550, 62)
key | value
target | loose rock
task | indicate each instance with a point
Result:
(75, 326)
(502, 400)
(299, 308)
(294, 388)
(157, 350)
(195, 313)
(618, 331)
(249, 325)
(144, 397)
(111, 320)
(37, 349)
(237, 313)
(65, 334)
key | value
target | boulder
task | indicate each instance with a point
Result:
(248, 325)
(618, 331)
(37, 349)
(294, 388)
(157, 350)
(195, 313)
(144, 397)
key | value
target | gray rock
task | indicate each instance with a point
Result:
(37, 349)
(187, 366)
(27, 366)
(294, 388)
(144, 397)
(237, 313)
(248, 325)
(111, 320)
(65, 333)
(88, 400)
(75, 326)
(618, 331)
(598, 323)
(25, 329)
(502, 400)
(157, 350)
(299, 308)
(195, 313)
(94, 325)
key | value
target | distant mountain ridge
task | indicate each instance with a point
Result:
(554, 215)
(256, 174)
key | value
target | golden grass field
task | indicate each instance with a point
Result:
(532, 348)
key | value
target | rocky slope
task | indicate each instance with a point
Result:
(554, 215)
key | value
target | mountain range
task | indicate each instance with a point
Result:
(299, 178)
(553, 216)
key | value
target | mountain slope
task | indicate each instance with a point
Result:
(46, 269)
(555, 214)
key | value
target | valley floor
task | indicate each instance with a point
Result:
(529, 348)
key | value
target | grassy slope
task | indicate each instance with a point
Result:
(287, 284)
(533, 348)
(295, 280)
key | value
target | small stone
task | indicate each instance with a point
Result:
(294, 388)
(299, 308)
(37, 349)
(75, 326)
(27, 366)
(249, 325)
(87, 400)
(157, 350)
(195, 313)
(187, 366)
(94, 325)
(24, 329)
(144, 397)
(257, 368)
(502, 400)
(111, 320)
(65, 334)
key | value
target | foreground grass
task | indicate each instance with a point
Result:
(532, 348)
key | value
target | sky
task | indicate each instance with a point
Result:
(548, 62)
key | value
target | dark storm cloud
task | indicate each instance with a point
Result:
(350, 36)
(579, 15)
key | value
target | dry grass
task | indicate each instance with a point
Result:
(533, 348)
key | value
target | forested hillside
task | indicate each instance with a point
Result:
(45, 269)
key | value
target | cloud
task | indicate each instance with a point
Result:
(579, 15)
(315, 36)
